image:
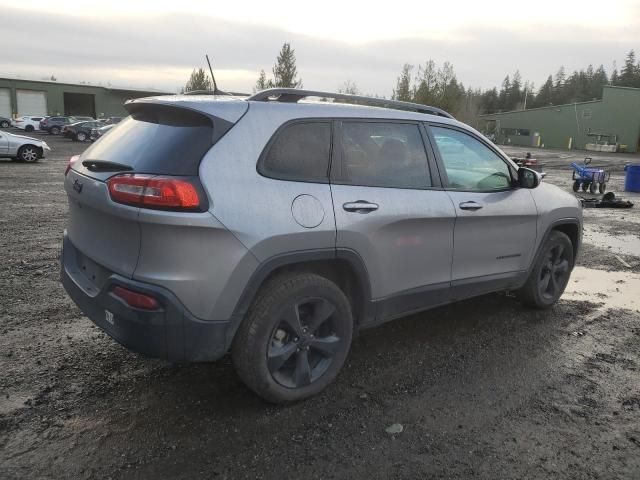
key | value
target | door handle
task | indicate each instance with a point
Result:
(470, 206)
(360, 206)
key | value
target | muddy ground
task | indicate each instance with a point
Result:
(484, 388)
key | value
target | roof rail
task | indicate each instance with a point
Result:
(293, 95)
(215, 92)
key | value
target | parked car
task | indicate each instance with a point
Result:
(27, 123)
(80, 131)
(5, 122)
(54, 124)
(110, 120)
(276, 229)
(22, 148)
(96, 133)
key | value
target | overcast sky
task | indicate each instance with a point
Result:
(140, 43)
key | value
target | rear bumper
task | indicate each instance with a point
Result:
(169, 333)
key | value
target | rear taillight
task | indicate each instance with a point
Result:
(162, 193)
(72, 160)
(136, 299)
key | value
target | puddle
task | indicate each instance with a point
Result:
(12, 403)
(613, 289)
(625, 244)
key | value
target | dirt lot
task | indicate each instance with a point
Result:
(483, 388)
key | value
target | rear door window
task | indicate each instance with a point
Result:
(382, 154)
(300, 152)
(157, 140)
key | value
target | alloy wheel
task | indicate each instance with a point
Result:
(303, 343)
(29, 154)
(554, 273)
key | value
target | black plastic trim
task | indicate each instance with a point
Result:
(170, 332)
(270, 265)
(550, 228)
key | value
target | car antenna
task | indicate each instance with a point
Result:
(215, 85)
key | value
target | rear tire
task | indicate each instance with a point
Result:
(29, 128)
(603, 187)
(585, 186)
(81, 136)
(54, 130)
(294, 339)
(593, 188)
(550, 274)
(576, 186)
(4, 124)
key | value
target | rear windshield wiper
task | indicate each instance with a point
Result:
(105, 166)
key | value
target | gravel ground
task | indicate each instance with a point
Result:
(483, 388)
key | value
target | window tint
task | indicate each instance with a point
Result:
(381, 154)
(470, 165)
(156, 139)
(299, 152)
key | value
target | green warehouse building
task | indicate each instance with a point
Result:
(38, 98)
(608, 125)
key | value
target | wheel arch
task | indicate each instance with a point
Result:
(25, 145)
(571, 230)
(571, 227)
(344, 267)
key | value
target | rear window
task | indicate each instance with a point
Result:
(158, 140)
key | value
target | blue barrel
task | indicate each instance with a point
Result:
(632, 178)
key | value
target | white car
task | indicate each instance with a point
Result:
(22, 148)
(27, 123)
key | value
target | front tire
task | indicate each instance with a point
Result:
(4, 124)
(550, 274)
(294, 339)
(576, 186)
(29, 128)
(54, 130)
(81, 136)
(28, 153)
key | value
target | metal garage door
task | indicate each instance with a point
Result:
(31, 102)
(5, 103)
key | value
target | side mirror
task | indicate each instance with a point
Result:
(528, 178)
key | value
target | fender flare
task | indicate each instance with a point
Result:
(553, 226)
(267, 267)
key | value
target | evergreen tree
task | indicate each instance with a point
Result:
(598, 80)
(630, 72)
(426, 84)
(285, 72)
(545, 94)
(558, 94)
(503, 96)
(262, 82)
(614, 78)
(403, 85)
(516, 95)
(198, 81)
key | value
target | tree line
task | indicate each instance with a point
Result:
(439, 86)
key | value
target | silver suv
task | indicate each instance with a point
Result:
(275, 228)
